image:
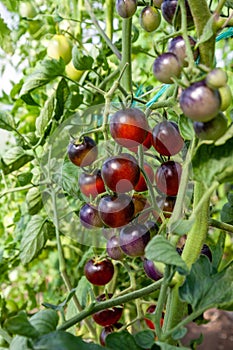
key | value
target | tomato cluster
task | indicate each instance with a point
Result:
(116, 193)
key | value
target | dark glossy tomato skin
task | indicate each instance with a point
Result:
(133, 239)
(107, 317)
(213, 129)
(169, 10)
(178, 47)
(150, 270)
(141, 185)
(113, 249)
(105, 331)
(150, 18)
(89, 216)
(140, 203)
(129, 127)
(167, 205)
(84, 153)
(120, 173)
(100, 272)
(116, 210)
(200, 103)
(167, 177)
(126, 8)
(147, 143)
(165, 67)
(91, 184)
(167, 139)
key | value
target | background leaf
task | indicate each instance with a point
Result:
(121, 340)
(160, 249)
(45, 321)
(81, 61)
(145, 339)
(34, 238)
(204, 288)
(212, 162)
(20, 325)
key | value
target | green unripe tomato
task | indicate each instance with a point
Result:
(60, 47)
(126, 8)
(72, 72)
(225, 96)
(216, 78)
(150, 18)
(213, 129)
(26, 9)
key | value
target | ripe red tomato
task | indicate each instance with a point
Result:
(167, 139)
(129, 127)
(91, 184)
(107, 317)
(98, 272)
(84, 153)
(121, 173)
(141, 185)
(116, 210)
(167, 177)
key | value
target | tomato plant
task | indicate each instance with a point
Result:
(116, 178)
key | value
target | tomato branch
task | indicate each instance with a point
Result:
(91, 309)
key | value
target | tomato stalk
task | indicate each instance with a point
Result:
(109, 18)
(78, 8)
(201, 17)
(94, 307)
(126, 54)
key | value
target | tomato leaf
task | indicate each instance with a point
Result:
(34, 238)
(212, 163)
(14, 159)
(62, 94)
(160, 249)
(121, 340)
(186, 127)
(44, 119)
(20, 325)
(81, 61)
(5, 37)
(145, 339)
(227, 211)
(44, 72)
(19, 343)
(69, 179)
(6, 121)
(60, 340)
(207, 31)
(34, 200)
(45, 321)
(165, 346)
(204, 288)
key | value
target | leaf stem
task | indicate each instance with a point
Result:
(100, 30)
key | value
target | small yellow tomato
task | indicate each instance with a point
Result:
(72, 72)
(60, 47)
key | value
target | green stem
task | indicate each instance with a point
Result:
(201, 15)
(62, 262)
(111, 303)
(109, 18)
(195, 239)
(80, 8)
(188, 48)
(161, 301)
(221, 225)
(100, 30)
(126, 54)
(179, 205)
